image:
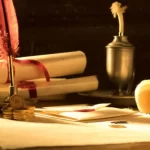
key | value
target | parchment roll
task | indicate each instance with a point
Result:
(59, 64)
(142, 96)
(56, 87)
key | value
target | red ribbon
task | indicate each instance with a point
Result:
(36, 63)
(31, 87)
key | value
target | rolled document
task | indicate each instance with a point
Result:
(142, 96)
(59, 64)
(55, 87)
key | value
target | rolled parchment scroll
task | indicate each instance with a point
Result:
(55, 87)
(57, 65)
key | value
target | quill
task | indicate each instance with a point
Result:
(9, 38)
(117, 10)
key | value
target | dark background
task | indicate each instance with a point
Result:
(52, 26)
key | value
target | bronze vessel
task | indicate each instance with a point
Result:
(120, 62)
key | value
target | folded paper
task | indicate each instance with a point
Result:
(102, 113)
